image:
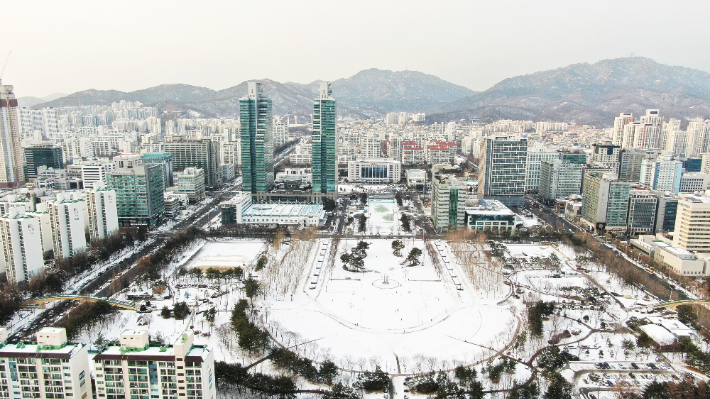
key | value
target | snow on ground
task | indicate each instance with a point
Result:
(383, 216)
(231, 254)
(391, 313)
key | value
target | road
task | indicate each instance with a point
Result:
(99, 278)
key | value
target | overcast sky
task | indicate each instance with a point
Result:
(71, 45)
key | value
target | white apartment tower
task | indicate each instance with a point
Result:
(67, 217)
(50, 369)
(21, 246)
(138, 370)
(619, 122)
(103, 214)
(11, 158)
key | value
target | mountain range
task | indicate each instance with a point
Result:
(585, 93)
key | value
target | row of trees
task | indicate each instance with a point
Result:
(214, 274)
(286, 359)
(151, 266)
(52, 281)
(86, 316)
(236, 376)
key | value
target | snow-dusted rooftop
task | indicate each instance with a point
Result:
(282, 210)
(659, 334)
(39, 351)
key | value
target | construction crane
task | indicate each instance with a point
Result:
(2, 71)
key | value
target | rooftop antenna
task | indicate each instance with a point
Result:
(2, 71)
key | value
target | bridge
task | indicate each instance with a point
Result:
(673, 304)
(42, 300)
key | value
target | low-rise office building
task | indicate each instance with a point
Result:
(489, 215)
(374, 171)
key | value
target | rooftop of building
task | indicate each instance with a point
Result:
(156, 154)
(158, 352)
(34, 350)
(696, 198)
(488, 207)
(256, 210)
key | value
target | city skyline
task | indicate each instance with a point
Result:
(113, 53)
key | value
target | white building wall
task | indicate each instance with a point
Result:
(22, 246)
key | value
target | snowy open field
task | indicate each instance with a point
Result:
(227, 254)
(391, 313)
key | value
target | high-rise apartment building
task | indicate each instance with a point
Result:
(66, 213)
(502, 175)
(448, 209)
(606, 155)
(203, 154)
(257, 142)
(325, 160)
(619, 122)
(692, 224)
(37, 155)
(51, 368)
(662, 174)
(11, 170)
(139, 191)
(698, 137)
(22, 248)
(103, 211)
(137, 370)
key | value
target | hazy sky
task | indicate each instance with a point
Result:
(71, 45)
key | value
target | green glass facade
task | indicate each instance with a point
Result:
(42, 155)
(325, 166)
(139, 194)
(257, 141)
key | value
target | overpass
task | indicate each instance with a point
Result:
(673, 304)
(42, 300)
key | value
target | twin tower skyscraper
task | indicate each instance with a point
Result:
(255, 112)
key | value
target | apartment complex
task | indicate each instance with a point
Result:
(66, 213)
(22, 247)
(51, 368)
(137, 370)
(103, 211)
